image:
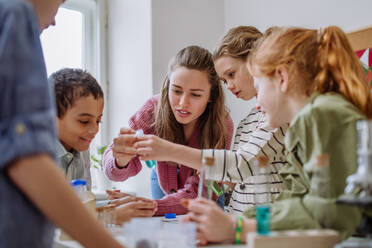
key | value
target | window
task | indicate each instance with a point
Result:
(62, 44)
(75, 42)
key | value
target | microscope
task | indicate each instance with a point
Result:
(358, 191)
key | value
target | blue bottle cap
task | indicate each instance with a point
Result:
(78, 182)
(170, 215)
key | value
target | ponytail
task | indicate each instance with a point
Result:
(323, 60)
(340, 70)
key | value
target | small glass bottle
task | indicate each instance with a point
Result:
(205, 187)
(80, 187)
(320, 179)
(149, 163)
(263, 196)
(320, 187)
(106, 215)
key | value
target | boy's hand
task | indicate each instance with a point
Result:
(122, 149)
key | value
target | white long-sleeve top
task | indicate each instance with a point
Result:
(253, 137)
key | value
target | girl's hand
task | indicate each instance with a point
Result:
(137, 208)
(151, 147)
(122, 148)
(212, 223)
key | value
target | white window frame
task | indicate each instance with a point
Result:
(94, 47)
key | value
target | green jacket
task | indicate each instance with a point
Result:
(325, 125)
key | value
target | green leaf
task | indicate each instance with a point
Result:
(101, 149)
(94, 159)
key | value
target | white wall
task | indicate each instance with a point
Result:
(179, 23)
(313, 14)
(262, 14)
(129, 70)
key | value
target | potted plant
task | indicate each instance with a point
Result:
(100, 181)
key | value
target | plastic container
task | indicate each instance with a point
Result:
(149, 163)
(80, 187)
(106, 215)
(154, 233)
(205, 186)
(263, 196)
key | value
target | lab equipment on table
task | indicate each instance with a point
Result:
(106, 215)
(263, 196)
(207, 187)
(359, 185)
(358, 191)
(149, 163)
(155, 233)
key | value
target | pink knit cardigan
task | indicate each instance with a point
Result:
(176, 186)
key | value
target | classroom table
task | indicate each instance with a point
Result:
(74, 244)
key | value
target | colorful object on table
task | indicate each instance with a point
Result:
(170, 215)
(205, 186)
(149, 163)
(170, 218)
(238, 226)
(263, 219)
(365, 57)
(217, 189)
(78, 182)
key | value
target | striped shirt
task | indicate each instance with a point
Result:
(254, 185)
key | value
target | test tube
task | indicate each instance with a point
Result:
(206, 187)
(106, 215)
(149, 163)
(263, 198)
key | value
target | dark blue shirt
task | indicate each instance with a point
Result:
(27, 121)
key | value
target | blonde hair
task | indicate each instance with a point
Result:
(323, 59)
(237, 43)
(212, 123)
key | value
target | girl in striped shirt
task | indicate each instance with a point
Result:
(254, 137)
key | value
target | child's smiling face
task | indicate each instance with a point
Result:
(80, 124)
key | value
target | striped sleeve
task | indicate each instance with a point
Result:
(237, 165)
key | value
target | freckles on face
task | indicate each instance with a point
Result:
(79, 125)
(189, 93)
